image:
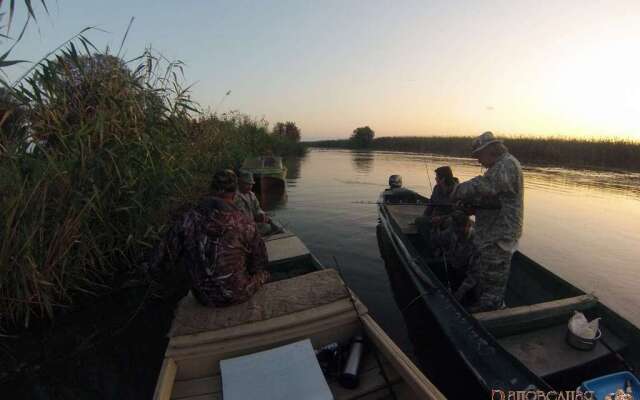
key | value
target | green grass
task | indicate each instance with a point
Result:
(583, 153)
(117, 149)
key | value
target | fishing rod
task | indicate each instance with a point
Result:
(451, 205)
(429, 176)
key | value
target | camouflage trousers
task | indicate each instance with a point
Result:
(486, 282)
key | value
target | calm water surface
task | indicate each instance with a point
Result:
(582, 225)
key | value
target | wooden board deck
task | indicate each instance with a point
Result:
(271, 301)
(546, 352)
(285, 248)
(405, 215)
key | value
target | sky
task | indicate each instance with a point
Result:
(568, 68)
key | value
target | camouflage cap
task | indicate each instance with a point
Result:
(246, 177)
(224, 180)
(483, 141)
(395, 181)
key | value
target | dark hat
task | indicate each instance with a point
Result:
(395, 181)
(224, 180)
(444, 172)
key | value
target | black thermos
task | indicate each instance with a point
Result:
(349, 376)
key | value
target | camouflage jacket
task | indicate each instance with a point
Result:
(502, 182)
(440, 196)
(249, 204)
(221, 250)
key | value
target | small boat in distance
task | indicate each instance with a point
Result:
(268, 172)
(522, 347)
(302, 301)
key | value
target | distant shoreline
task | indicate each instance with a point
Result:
(572, 153)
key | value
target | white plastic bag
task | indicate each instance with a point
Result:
(579, 326)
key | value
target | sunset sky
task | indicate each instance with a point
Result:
(403, 68)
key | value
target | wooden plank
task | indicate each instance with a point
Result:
(545, 351)
(285, 248)
(166, 378)
(278, 236)
(511, 320)
(403, 365)
(195, 387)
(320, 313)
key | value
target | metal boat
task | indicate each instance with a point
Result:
(302, 301)
(522, 347)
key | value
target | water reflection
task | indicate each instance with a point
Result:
(293, 168)
(566, 179)
(582, 225)
(362, 160)
(273, 199)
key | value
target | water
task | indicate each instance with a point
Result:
(582, 225)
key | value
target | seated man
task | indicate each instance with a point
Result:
(395, 193)
(219, 247)
(247, 201)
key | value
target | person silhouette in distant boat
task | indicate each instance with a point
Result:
(395, 193)
(497, 227)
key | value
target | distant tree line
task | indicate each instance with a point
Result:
(585, 153)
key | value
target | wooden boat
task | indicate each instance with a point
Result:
(269, 174)
(303, 301)
(517, 348)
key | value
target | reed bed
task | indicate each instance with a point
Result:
(89, 176)
(582, 153)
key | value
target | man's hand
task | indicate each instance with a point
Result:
(466, 208)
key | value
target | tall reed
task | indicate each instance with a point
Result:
(88, 180)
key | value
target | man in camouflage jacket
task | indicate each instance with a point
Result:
(219, 246)
(497, 229)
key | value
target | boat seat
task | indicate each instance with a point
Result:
(271, 301)
(513, 320)
(545, 351)
(405, 215)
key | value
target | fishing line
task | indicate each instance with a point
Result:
(429, 177)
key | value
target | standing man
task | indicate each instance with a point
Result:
(497, 229)
(219, 247)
